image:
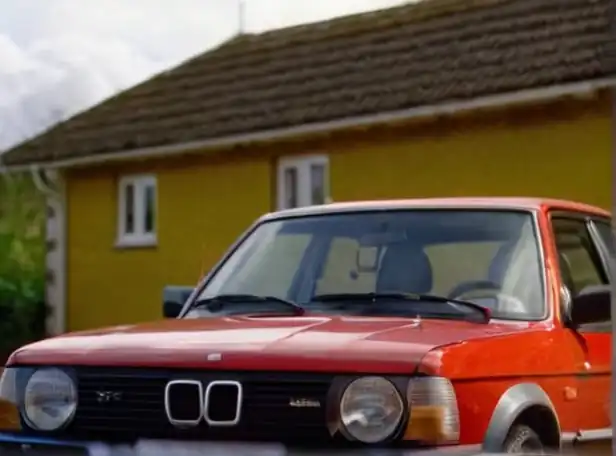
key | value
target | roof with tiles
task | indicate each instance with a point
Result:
(418, 54)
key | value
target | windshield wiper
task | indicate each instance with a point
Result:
(415, 297)
(217, 303)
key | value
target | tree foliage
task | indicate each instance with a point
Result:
(22, 262)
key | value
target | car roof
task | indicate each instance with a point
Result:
(497, 203)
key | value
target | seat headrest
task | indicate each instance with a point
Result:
(405, 268)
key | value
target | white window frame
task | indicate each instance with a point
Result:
(139, 238)
(302, 164)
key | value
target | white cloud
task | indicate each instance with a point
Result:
(58, 57)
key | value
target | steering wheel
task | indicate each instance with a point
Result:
(465, 287)
(505, 301)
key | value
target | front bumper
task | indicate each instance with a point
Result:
(33, 446)
(15, 444)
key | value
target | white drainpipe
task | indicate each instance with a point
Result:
(50, 183)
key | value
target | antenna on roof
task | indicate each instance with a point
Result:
(241, 17)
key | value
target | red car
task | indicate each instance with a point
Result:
(476, 324)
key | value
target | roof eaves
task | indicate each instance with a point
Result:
(522, 97)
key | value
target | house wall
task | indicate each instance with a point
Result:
(202, 208)
(562, 152)
(204, 202)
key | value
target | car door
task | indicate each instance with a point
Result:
(583, 262)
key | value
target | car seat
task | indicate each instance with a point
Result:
(500, 263)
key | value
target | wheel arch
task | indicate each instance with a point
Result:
(524, 403)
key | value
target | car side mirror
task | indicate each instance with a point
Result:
(174, 298)
(591, 305)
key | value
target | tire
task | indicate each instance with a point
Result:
(523, 440)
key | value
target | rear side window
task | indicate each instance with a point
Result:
(580, 265)
(607, 235)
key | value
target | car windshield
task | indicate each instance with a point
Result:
(488, 257)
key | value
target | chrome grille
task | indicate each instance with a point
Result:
(266, 413)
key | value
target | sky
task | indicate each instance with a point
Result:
(59, 57)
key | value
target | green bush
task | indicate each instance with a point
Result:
(22, 262)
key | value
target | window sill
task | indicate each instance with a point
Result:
(136, 243)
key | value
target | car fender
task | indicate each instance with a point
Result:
(509, 407)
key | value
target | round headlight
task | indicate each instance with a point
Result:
(50, 399)
(371, 409)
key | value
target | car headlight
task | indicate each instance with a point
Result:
(8, 385)
(371, 409)
(9, 407)
(50, 399)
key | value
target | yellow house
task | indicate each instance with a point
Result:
(486, 97)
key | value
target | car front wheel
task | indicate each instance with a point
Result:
(523, 440)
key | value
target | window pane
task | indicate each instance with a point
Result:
(605, 231)
(271, 272)
(577, 260)
(317, 184)
(129, 209)
(457, 262)
(491, 258)
(150, 209)
(265, 264)
(290, 188)
(341, 271)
